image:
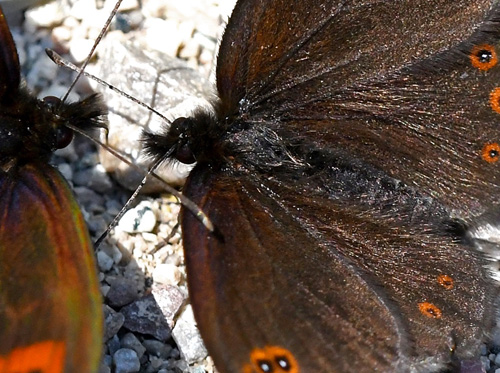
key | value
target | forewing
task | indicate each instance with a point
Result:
(9, 61)
(395, 84)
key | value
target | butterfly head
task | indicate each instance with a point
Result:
(35, 128)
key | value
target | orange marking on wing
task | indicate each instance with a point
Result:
(43, 357)
(483, 57)
(495, 100)
(274, 359)
(429, 310)
(491, 152)
(445, 281)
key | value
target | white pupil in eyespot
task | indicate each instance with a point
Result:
(265, 366)
(283, 363)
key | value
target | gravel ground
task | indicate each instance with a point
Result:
(149, 322)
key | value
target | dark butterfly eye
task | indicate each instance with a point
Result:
(181, 128)
(64, 136)
(51, 101)
(184, 154)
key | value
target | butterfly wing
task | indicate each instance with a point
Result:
(398, 85)
(333, 283)
(9, 61)
(50, 303)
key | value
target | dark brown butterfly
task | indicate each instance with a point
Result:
(50, 301)
(350, 168)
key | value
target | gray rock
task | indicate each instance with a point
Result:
(144, 316)
(43, 69)
(156, 363)
(196, 369)
(126, 361)
(113, 321)
(47, 15)
(122, 291)
(106, 363)
(86, 196)
(157, 348)
(94, 178)
(188, 338)
(130, 341)
(104, 262)
(66, 170)
(113, 345)
(170, 299)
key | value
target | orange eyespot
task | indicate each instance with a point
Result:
(429, 310)
(491, 152)
(445, 281)
(271, 359)
(483, 57)
(42, 357)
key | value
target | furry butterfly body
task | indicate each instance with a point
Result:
(348, 165)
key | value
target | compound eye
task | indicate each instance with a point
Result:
(51, 101)
(64, 135)
(185, 155)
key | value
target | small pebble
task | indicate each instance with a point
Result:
(113, 344)
(126, 361)
(104, 262)
(129, 340)
(47, 15)
(139, 219)
(167, 274)
(113, 321)
(123, 291)
(80, 48)
(486, 362)
(66, 170)
(157, 348)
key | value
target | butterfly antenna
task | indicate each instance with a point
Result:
(58, 60)
(125, 207)
(92, 50)
(186, 202)
(165, 241)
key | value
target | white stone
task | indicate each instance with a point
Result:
(167, 274)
